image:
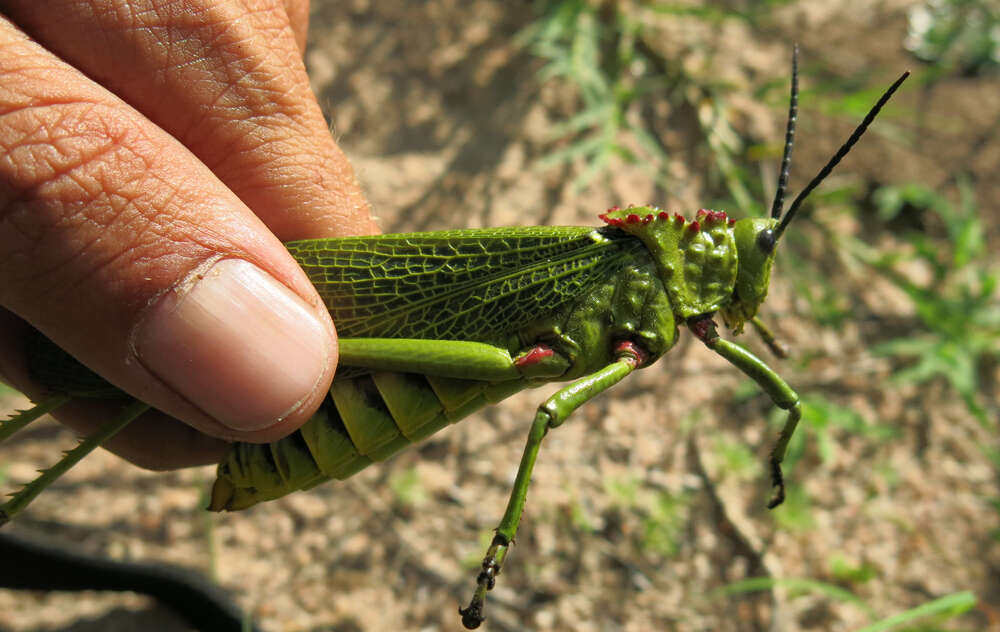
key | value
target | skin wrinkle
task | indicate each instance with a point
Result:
(42, 80)
(268, 148)
(36, 188)
(243, 87)
(52, 274)
(247, 127)
(42, 133)
(237, 81)
(192, 47)
(88, 171)
(81, 140)
(152, 226)
(279, 57)
(247, 124)
(154, 239)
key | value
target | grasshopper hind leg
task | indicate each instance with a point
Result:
(552, 413)
(22, 498)
(21, 418)
(64, 375)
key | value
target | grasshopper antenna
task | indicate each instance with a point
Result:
(837, 157)
(786, 158)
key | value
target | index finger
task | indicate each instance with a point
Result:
(227, 80)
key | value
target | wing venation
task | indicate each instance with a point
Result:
(457, 285)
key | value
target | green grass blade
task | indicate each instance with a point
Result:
(755, 584)
(954, 604)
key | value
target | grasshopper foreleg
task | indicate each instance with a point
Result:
(552, 413)
(777, 347)
(778, 389)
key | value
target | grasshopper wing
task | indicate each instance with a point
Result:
(478, 284)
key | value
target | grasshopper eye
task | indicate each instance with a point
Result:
(766, 240)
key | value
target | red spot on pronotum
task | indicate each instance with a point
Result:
(678, 218)
(536, 355)
(711, 217)
(611, 221)
(628, 350)
(647, 219)
(663, 215)
(632, 218)
(694, 227)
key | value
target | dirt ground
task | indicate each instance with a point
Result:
(644, 505)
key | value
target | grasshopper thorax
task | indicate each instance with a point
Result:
(708, 264)
(697, 258)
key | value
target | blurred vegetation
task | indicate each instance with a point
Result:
(957, 336)
(956, 37)
(606, 54)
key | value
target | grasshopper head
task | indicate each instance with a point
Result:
(757, 238)
(755, 247)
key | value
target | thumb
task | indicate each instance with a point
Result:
(124, 249)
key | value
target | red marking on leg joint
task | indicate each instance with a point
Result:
(702, 327)
(535, 356)
(632, 352)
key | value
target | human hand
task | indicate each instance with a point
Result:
(153, 156)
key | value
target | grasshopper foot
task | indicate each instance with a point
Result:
(778, 483)
(472, 617)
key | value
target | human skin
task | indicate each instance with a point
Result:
(154, 154)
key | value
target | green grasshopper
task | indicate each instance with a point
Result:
(434, 326)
